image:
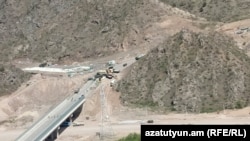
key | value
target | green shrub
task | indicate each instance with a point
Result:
(131, 137)
(2, 69)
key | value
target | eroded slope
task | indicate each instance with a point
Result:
(215, 10)
(190, 71)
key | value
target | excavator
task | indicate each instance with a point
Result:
(108, 73)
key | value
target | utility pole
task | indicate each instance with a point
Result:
(106, 129)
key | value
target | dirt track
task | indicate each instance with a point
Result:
(116, 111)
(89, 130)
(91, 109)
(30, 102)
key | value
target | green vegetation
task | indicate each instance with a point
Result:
(131, 137)
(2, 68)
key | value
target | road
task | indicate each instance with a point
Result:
(129, 62)
(87, 132)
(51, 121)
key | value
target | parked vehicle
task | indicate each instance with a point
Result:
(150, 121)
(82, 96)
(76, 91)
(116, 71)
(90, 78)
(124, 65)
(139, 56)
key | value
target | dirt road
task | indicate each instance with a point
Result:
(88, 132)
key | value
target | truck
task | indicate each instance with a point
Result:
(139, 56)
(109, 76)
(111, 63)
(101, 72)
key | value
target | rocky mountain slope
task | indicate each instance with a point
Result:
(11, 78)
(62, 30)
(190, 72)
(215, 10)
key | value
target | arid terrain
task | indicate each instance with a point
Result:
(123, 120)
(92, 32)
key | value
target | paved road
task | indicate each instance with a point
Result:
(51, 121)
(48, 123)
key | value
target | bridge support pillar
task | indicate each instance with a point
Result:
(57, 131)
(51, 137)
(55, 134)
(71, 119)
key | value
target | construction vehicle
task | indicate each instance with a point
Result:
(109, 71)
(101, 72)
(109, 76)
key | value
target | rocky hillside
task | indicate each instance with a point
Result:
(61, 30)
(190, 72)
(11, 78)
(215, 10)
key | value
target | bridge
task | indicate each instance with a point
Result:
(48, 126)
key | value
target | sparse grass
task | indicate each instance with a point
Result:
(214, 10)
(239, 105)
(200, 87)
(11, 78)
(64, 41)
(131, 137)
